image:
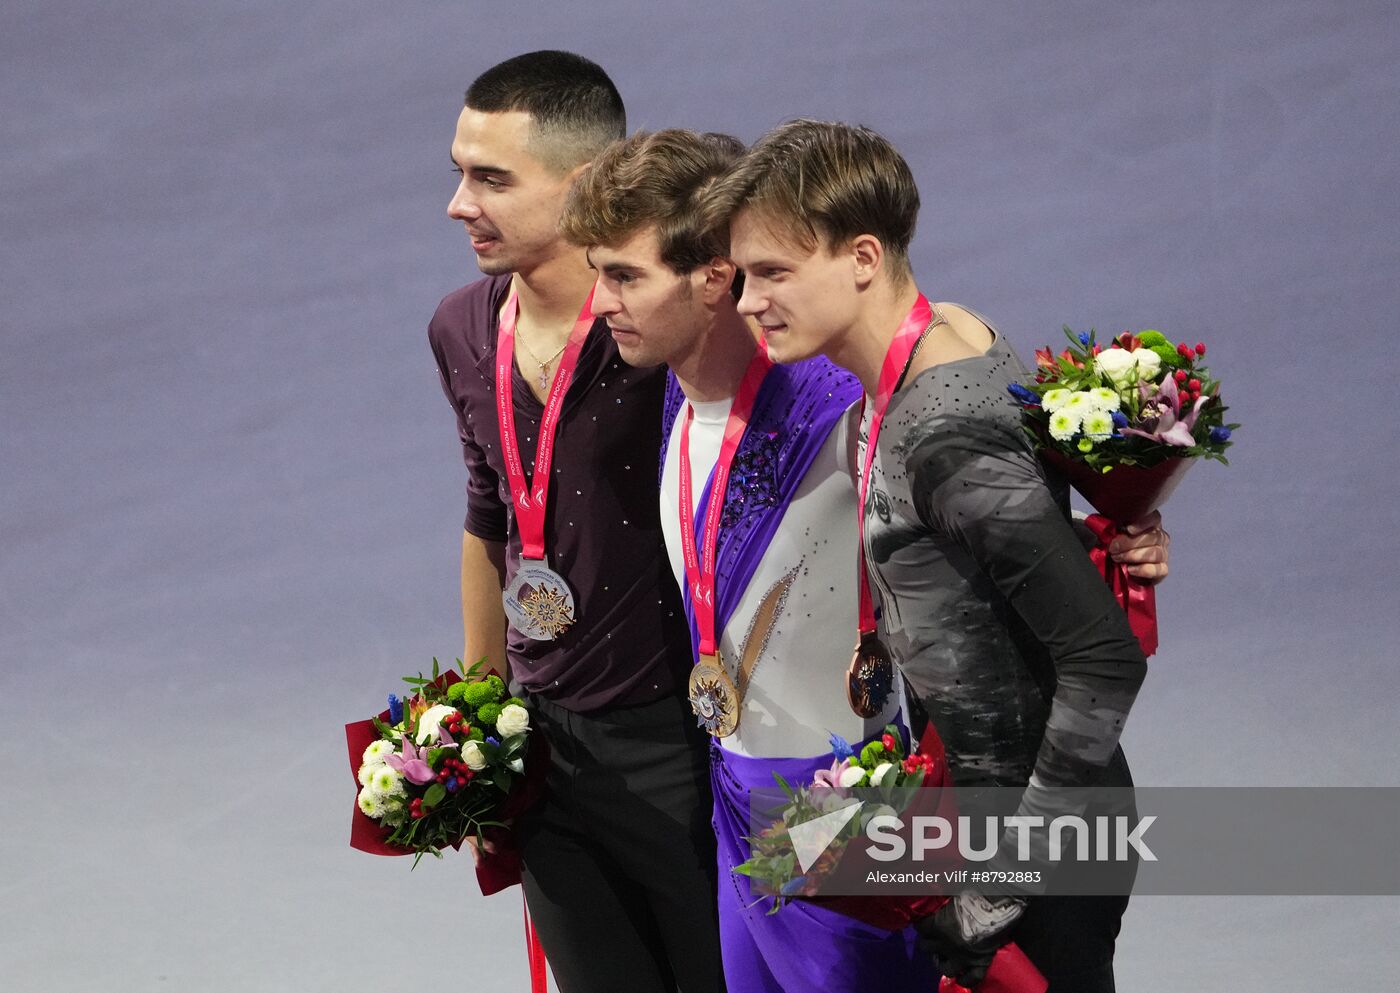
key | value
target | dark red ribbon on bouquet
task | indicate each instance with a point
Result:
(1138, 599)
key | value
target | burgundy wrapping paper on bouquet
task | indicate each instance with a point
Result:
(1010, 971)
(1126, 494)
(496, 870)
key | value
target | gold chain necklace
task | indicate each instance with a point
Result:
(543, 380)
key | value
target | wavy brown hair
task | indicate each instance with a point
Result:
(662, 179)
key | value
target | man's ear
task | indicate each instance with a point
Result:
(718, 275)
(867, 257)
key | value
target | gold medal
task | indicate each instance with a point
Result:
(870, 679)
(714, 697)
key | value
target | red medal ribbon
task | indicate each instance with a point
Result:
(892, 370)
(530, 503)
(534, 950)
(1137, 598)
(701, 575)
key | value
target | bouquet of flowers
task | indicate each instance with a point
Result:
(1123, 424)
(776, 862)
(881, 764)
(454, 759)
(1139, 402)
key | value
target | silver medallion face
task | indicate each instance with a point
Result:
(538, 602)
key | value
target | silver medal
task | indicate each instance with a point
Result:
(538, 601)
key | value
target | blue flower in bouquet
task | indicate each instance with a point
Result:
(1023, 395)
(1219, 435)
(840, 747)
(1084, 337)
(492, 740)
(395, 709)
(794, 885)
(1120, 419)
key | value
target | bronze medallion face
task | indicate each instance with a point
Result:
(870, 679)
(713, 697)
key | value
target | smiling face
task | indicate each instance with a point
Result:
(655, 314)
(509, 201)
(803, 299)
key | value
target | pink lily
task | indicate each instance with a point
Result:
(830, 778)
(412, 763)
(1161, 415)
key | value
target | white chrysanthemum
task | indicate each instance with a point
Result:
(1063, 425)
(1079, 403)
(372, 804)
(881, 771)
(1098, 425)
(386, 782)
(366, 771)
(1103, 398)
(377, 752)
(1055, 399)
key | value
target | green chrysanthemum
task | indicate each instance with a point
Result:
(477, 694)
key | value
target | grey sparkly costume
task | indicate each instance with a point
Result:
(1011, 640)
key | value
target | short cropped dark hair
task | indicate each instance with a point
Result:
(656, 179)
(575, 107)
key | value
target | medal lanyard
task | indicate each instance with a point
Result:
(892, 370)
(530, 503)
(701, 574)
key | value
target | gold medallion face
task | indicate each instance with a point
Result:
(713, 697)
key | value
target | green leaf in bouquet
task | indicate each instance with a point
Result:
(385, 731)
(786, 788)
(501, 779)
(434, 795)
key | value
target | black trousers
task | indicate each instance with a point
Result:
(619, 855)
(1071, 939)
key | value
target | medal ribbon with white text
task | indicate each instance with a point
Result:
(530, 502)
(892, 370)
(700, 574)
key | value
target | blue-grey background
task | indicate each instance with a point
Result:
(231, 490)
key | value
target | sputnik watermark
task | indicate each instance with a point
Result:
(936, 835)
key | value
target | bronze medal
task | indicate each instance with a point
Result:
(870, 679)
(713, 697)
